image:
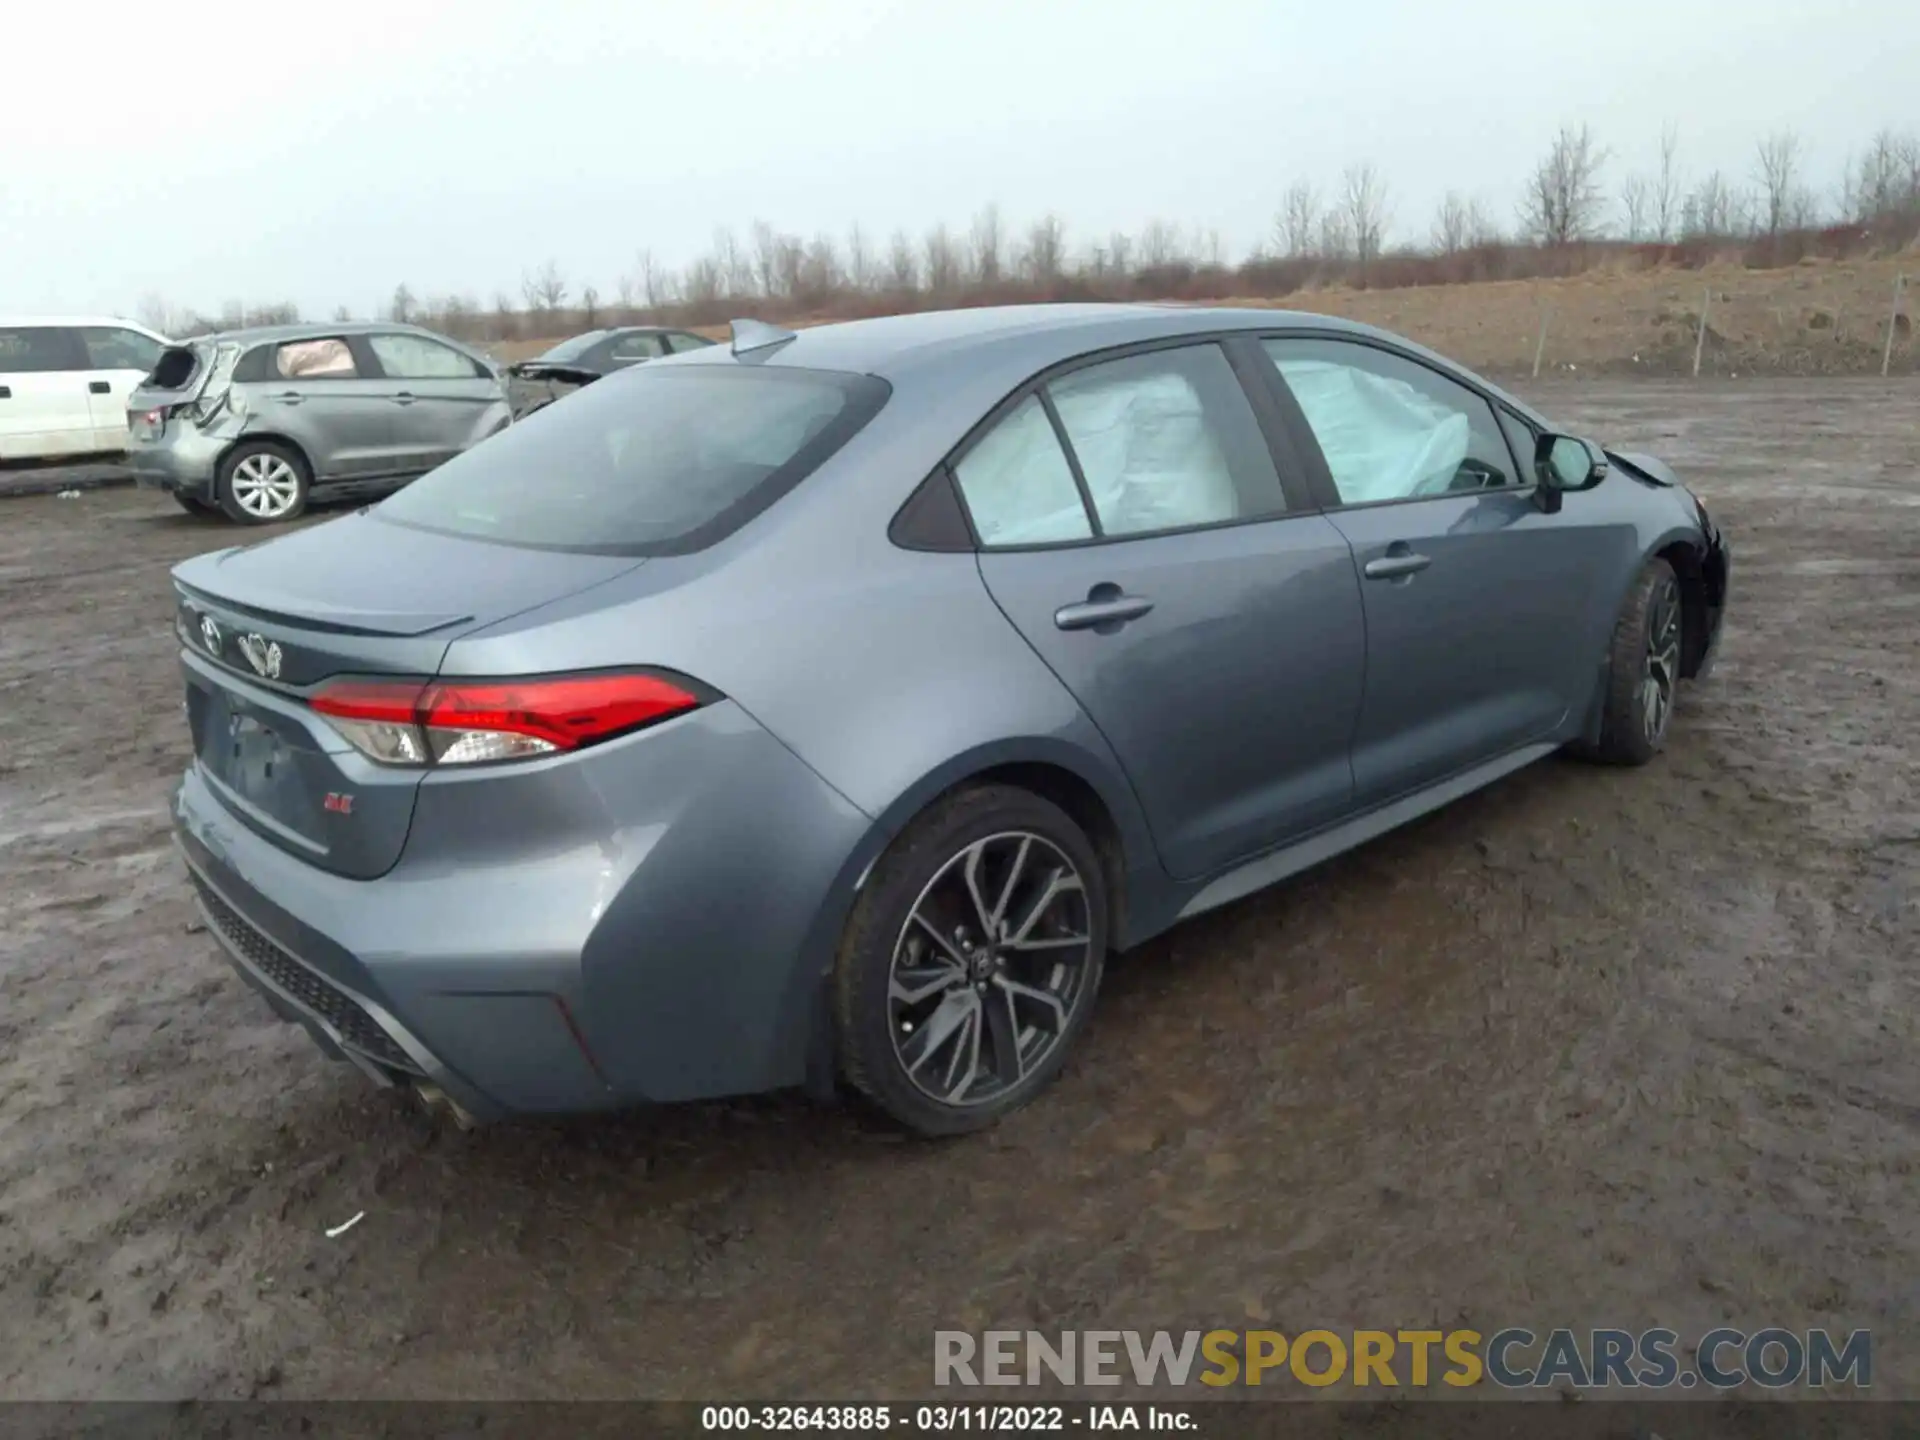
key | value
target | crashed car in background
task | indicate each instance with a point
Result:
(598, 353)
(255, 423)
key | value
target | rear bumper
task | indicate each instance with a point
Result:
(646, 922)
(186, 462)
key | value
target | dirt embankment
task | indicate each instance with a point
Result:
(1816, 318)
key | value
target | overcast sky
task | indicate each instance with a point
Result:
(324, 152)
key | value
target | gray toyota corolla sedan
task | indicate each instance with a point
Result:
(824, 708)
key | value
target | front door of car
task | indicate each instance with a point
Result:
(440, 398)
(326, 398)
(1135, 529)
(1473, 593)
(45, 408)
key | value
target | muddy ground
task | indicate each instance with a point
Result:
(1591, 1048)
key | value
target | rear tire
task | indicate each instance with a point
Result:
(1643, 670)
(263, 483)
(971, 961)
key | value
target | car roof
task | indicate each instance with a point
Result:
(317, 330)
(1006, 344)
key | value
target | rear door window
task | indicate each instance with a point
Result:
(679, 342)
(329, 359)
(414, 357)
(29, 349)
(109, 347)
(659, 461)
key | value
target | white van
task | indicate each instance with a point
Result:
(64, 383)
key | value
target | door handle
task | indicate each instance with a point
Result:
(1395, 566)
(405, 397)
(1105, 609)
(99, 387)
(6, 392)
(289, 397)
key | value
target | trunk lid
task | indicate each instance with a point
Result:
(262, 627)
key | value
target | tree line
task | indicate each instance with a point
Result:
(1573, 212)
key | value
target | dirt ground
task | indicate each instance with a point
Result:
(1620, 1048)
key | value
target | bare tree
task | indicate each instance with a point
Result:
(862, 268)
(988, 246)
(342, 314)
(546, 289)
(1160, 246)
(655, 285)
(903, 265)
(589, 308)
(1563, 202)
(1297, 231)
(1710, 210)
(736, 271)
(1886, 180)
(767, 248)
(1636, 203)
(704, 283)
(1209, 249)
(1336, 236)
(1363, 198)
(1044, 255)
(1667, 185)
(943, 261)
(1120, 253)
(1777, 168)
(1453, 224)
(400, 311)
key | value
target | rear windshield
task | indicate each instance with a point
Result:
(657, 460)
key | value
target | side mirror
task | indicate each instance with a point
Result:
(1563, 463)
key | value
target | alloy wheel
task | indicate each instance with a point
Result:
(989, 969)
(1662, 673)
(266, 486)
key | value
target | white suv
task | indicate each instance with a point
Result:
(64, 382)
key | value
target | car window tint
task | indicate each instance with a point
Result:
(112, 348)
(637, 347)
(29, 348)
(1018, 486)
(1167, 440)
(678, 343)
(414, 357)
(663, 461)
(315, 360)
(1390, 428)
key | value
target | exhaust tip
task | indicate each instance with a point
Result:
(437, 1102)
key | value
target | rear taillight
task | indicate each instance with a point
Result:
(470, 722)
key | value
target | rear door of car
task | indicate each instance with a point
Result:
(327, 396)
(441, 397)
(45, 409)
(1472, 591)
(1143, 523)
(121, 358)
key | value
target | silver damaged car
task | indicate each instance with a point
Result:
(820, 710)
(254, 424)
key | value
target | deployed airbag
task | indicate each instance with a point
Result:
(1383, 439)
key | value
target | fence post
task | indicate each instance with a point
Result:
(1893, 317)
(1540, 346)
(1700, 341)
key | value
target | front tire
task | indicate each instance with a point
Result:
(263, 483)
(1643, 670)
(971, 961)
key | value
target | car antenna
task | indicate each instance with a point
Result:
(750, 335)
